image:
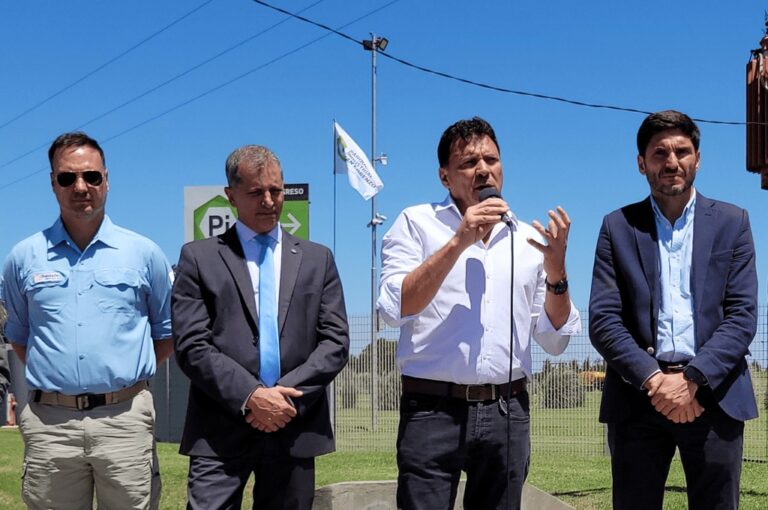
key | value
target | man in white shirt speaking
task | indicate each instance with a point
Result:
(465, 327)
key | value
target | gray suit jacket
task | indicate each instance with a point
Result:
(215, 330)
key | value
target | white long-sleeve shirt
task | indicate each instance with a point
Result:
(462, 336)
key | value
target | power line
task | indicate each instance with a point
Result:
(311, 22)
(161, 85)
(243, 75)
(217, 87)
(194, 68)
(492, 87)
(102, 66)
(547, 97)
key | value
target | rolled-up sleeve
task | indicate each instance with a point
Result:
(401, 253)
(555, 341)
(17, 325)
(161, 282)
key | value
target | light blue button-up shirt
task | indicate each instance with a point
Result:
(251, 250)
(87, 319)
(676, 339)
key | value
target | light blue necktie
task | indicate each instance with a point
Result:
(269, 342)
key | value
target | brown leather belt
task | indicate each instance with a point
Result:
(87, 401)
(467, 392)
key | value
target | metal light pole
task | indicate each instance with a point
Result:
(374, 45)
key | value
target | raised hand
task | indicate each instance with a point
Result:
(556, 236)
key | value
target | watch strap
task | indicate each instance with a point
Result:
(694, 375)
(557, 288)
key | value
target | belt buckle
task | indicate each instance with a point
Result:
(478, 398)
(83, 402)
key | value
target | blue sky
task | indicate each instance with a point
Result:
(648, 55)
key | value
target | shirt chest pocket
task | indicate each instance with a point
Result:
(117, 290)
(47, 292)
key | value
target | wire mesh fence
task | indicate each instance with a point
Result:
(564, 392)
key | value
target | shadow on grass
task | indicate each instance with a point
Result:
(581, 493)
(668, 488)
(754, 493)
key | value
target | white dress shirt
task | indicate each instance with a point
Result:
(462, 336)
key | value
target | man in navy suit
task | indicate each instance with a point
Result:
(260, 328)
(673, 310)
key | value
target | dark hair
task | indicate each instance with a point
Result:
(464, 130)
(665, 121)
(73, 139)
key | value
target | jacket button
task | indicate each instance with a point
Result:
(650, 350)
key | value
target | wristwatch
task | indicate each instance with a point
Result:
(693, 374)
(558, 288)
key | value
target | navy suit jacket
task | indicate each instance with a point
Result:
(624, 305)
(215, 330)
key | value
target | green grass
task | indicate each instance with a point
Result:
(585, 482)
(582, 481)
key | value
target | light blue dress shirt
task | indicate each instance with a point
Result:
(87, 319)
(251, 250)
(676, 340)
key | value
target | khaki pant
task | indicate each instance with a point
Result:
(69, 453)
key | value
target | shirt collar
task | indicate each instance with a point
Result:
(686, 210)
(58, 234)
(245, 234)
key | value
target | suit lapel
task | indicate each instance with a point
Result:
(290, 261)
(704, 232)
(648, 252)
(231, 252)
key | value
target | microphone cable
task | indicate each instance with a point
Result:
(507, 219)
(511, 349)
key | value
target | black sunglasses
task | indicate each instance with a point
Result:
(91, 177)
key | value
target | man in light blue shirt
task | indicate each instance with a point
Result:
(89, 314)
(673, 310)
(676, 340)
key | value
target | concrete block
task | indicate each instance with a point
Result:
(380, 495)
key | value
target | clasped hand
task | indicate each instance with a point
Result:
(271, 408)
(674, 397)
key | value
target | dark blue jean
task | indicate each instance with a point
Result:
(438, 437)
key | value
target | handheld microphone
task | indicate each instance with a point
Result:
(492, 192)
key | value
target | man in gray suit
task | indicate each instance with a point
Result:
(260, 328)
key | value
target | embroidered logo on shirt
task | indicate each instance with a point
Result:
(49, 277)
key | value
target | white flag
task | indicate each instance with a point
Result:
(351, 160)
